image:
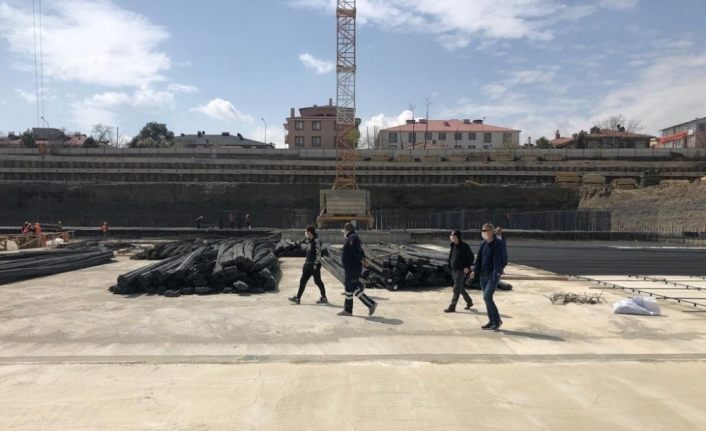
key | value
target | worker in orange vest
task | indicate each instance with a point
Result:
(104, 228)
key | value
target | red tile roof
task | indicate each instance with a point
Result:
(449, 126)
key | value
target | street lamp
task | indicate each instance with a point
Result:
(265, 123)
(45, 121)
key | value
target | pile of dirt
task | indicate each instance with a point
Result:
(670, 207)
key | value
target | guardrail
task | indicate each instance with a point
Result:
(516, 153)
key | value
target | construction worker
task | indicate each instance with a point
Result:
(312, 267)
(104, 228)
(37, 228)
(248, 222)
(460, 262)
(353, 259)
(59, 226)
(231, 220)
(199, 220)
(26, 228)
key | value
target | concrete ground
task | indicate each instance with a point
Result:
(75, 357)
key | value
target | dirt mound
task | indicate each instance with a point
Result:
(668, 207)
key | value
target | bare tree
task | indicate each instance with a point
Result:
(102, 134)
(617, 122)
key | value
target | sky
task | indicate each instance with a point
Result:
(240, 65)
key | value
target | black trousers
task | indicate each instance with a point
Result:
(459, 289)
(309, 270)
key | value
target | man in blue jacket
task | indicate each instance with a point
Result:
(353, 258)
(489, 266)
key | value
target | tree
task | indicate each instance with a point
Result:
(101, 133)
(542, 143)
(27, 139)
(90, 142)
(153, 135)
(617, 122)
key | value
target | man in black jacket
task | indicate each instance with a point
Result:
(353, 258)
(312, 267)
(460, 262)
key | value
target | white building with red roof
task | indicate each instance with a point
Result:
(447, 134)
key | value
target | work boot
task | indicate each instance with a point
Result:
(322, 300)
(488, 326)
(468, 305)
(372, 308)
(295, 300)
(499, 324)
(450, 309)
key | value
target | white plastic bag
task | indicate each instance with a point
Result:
(640, 305)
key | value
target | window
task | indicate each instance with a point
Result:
(458, 136)
(442, 136)
(487, 138)
(393, 138)
(316, 141)
(299, 141)
(411, 138)
(507, 138)
(471, 147)
(299, 125)
(316, 125)
(427, 136)
(393, 147)
(702, 127)
(486, 147)
(472, 136)
(458, 147)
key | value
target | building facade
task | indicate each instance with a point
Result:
(315, 127)
(225, 139)
(602, 139)
(447, 134)
(691, 134)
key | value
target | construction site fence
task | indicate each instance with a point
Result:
(363, 154)
(562, 220)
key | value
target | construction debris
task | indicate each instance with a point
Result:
(572, 298)
(31, 264)
(227, 266)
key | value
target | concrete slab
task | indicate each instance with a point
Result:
(74, 356)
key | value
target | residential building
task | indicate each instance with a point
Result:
(225, 139)
(315, 127)
(691, 134)
(601, 139)
(447, 134)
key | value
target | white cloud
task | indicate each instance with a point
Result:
(320, 66)
(661, 95)
(381, 121)
(181, 88)
(457, 23)
(26, 96)
(89, 42)
(223, 110)
(494, 91)
(144, 99)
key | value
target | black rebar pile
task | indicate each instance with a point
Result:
(393, 267)
(30, 264)
(227, 266)
(171, 249)
(289, 248)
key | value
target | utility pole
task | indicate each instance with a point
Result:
(265, 123)
(414, 141)
(426, 131)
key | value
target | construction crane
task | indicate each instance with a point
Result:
(345, 202)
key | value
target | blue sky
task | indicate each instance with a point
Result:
(536, 65)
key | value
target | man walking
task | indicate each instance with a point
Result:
(460, 262)
(353, 257)
(489, 266)
(312, 267)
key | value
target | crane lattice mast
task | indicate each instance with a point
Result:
(346, 136)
